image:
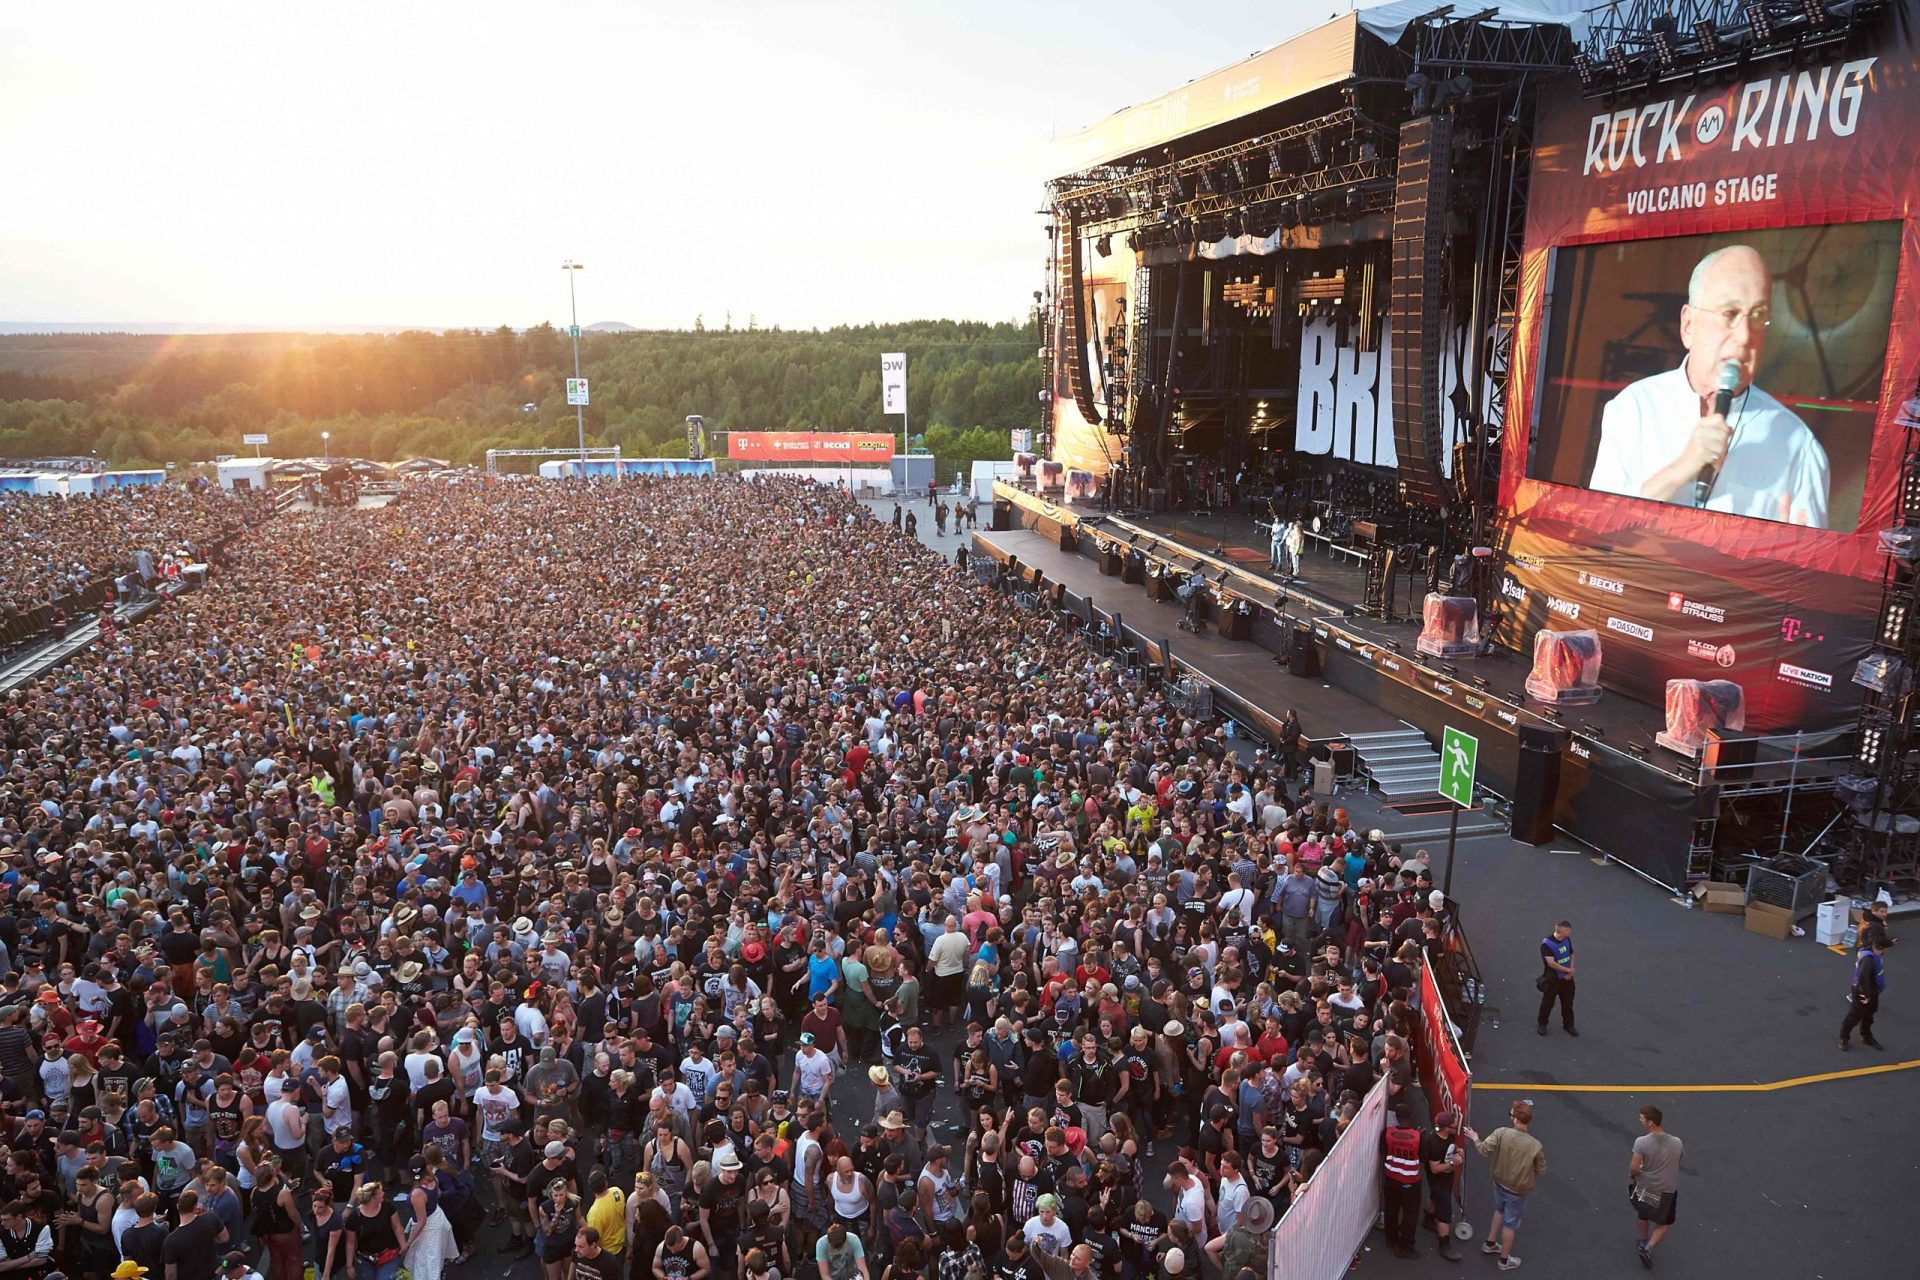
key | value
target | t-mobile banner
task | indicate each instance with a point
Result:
(1708, 376)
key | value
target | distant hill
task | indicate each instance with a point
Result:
(142, 399)
(609, 326)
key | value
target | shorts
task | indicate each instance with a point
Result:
(1667, 1212)
(945, 992)
(1510, 1204)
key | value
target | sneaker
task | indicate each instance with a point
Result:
(1844, 1046)
(1401, 1251)
(1646, 1255)
(1450, 1253)
(1871, 1044)
(1489, 1246)
(1543, 1028)
(1573, 1033)
(1509, 1264)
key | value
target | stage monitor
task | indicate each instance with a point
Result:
(1641, 334)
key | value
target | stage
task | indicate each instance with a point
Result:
(1616, 791)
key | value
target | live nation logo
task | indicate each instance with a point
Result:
(1806, 677)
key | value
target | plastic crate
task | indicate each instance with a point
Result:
(1191, 696)
(1793, 883)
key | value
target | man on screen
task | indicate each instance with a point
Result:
(1657, 435)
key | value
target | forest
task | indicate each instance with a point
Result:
(140, 400)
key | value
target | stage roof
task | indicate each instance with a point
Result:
(1325, 55)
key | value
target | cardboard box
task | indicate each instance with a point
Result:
(1830, 922)
(1719, 897)
(1764, 917)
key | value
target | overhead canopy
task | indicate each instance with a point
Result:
(1329, 54)
(1311, 60)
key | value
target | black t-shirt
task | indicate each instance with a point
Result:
(194, 1249)
(1005, 1268)
(1434, 1148)
(339, 1167)
(1137, 1237)
(602, 1266)
(723, 1205)
(146, 1246)
(914, 1062)
(542, 1176)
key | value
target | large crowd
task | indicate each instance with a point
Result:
(56, 547)
(637, 878)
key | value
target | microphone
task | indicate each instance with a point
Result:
(1722, 401)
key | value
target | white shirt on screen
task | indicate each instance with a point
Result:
(1643, 428)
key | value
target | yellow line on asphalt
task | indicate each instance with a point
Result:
(1765, 1086)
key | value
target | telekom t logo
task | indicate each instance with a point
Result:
(1792, 629)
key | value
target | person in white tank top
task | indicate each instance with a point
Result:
(852, 1196)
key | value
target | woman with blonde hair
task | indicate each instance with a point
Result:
(375, 1236)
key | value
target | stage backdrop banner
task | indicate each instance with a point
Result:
(841, 448)
(1443, 1067)
(1744, 589)
(1324, 1228)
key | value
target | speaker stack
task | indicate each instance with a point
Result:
(1536, 785)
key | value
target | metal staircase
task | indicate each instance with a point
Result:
(1400, 763)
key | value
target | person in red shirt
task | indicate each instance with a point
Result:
(856, 764)
(86, 1041)
(1091, 969)
(1272, 1045)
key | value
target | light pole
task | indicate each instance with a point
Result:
(573, 331)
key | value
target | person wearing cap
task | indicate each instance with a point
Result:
(236, 1267)
(723, 1210)
(812, 1073)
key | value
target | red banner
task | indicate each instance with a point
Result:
(844, 448)
(1443, 1067)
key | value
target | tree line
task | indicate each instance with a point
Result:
(139, 400)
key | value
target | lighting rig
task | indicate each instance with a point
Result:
(1637, 44)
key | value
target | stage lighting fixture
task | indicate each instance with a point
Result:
(1617, 57)
(1480, 682)
(1709, 36)
(1593, 730)
(1816, 11)
(1393, 646)
(1910, 494)
(1274, 166)
(1317, 149)
(1759, 21)
(1893, 633)
(1133, 241)
(1420, 85)
(1663, 50)
(1103, 246)
(1583, 66)
(1872, 741)
(1638, 750)
(1240, 171)
(1048, 231)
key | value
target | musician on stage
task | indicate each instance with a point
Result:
(1663, 438)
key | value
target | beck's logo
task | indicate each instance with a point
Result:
(1612, 586)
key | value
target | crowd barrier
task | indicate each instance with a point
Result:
(1329, 1221)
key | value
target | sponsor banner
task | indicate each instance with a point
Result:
(842, 448)
(1443, 1067)
(1681, 612)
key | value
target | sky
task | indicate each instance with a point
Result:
(431, 164)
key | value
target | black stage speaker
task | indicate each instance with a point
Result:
(1303, 659)
(1110, 561)
(1002, 515)
(1238, 623)
(1067, 539)
(1160, 586)
(1722, 750)
(1536, 783)
(1133, 568)
(1417, 306)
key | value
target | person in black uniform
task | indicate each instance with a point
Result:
(1556, 976)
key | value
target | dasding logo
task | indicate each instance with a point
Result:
(1775, 111)
(1633, 629)
(1442, 688)
(1565, 608)
(1513, 590)
(1611, 586)
(1806, 677)
(1695, 608)
(1721, 655)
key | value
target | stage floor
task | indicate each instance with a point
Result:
(1245, 671)
(1340, 579)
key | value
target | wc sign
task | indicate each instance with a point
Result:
(893, 383)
